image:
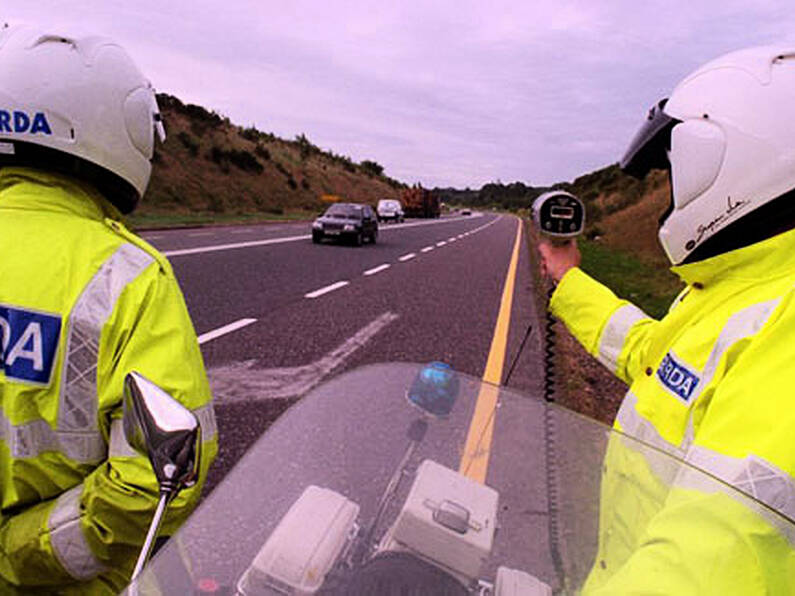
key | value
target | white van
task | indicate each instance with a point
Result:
(389, 209)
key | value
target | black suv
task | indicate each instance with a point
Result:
(350, 221)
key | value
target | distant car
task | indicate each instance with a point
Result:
(389, 209)
(466, 212)
(346, 221)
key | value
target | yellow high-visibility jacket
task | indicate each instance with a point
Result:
(712, 383)
(82, 302)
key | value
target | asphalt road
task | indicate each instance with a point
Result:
(278, 315)
(431, 288)
(427, 290)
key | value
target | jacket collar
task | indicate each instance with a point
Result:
(769, 258)
(37, 190)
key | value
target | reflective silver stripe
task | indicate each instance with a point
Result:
(206, 416)
(67, 539)
(77, 408)
(119, 447)
(37, 437)
(751, 475)
(615, 334)
(740, 325)
(636, 426)
(642, 431)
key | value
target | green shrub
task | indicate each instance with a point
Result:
(281, 168)
(188, 142)
(239, 158)
(305, 147)
(262, 152)
(372, 168)
(245, 161)
(250, 134)
(218, 156)
(199, 114)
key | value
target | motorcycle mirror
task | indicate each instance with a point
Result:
(158, 426)
(435, 389)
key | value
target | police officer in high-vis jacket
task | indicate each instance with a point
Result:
(83, 301)
(712, 382)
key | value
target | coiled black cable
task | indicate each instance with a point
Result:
(550, 432)
(549, 353)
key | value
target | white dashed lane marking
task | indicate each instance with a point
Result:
(210, 335)
(378, 269)
(327, 289)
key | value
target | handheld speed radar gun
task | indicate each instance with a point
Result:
(559, 215)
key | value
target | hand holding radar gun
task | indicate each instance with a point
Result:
(559, 217)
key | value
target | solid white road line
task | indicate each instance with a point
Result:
(200, 249)
(427, 249)
(327, 289)
(407, 257)
(428, 222)
(205, 337)
(203, 249)
(378, 269)
(483, 227)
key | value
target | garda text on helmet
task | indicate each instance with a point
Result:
(17, 121)
(29, 342)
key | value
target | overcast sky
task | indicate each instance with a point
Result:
(447, 93)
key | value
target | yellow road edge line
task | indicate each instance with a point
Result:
(475, 459)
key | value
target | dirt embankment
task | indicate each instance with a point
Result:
(210, 165)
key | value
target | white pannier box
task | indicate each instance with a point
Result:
(304, 546)
(448, 519)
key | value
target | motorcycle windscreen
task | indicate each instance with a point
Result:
(554, 482)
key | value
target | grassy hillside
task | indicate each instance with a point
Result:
(210, 169)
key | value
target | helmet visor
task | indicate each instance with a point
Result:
(649, 149)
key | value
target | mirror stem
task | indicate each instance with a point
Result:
(151, 535)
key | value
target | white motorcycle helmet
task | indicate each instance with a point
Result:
(727, 135)
(78, 106)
